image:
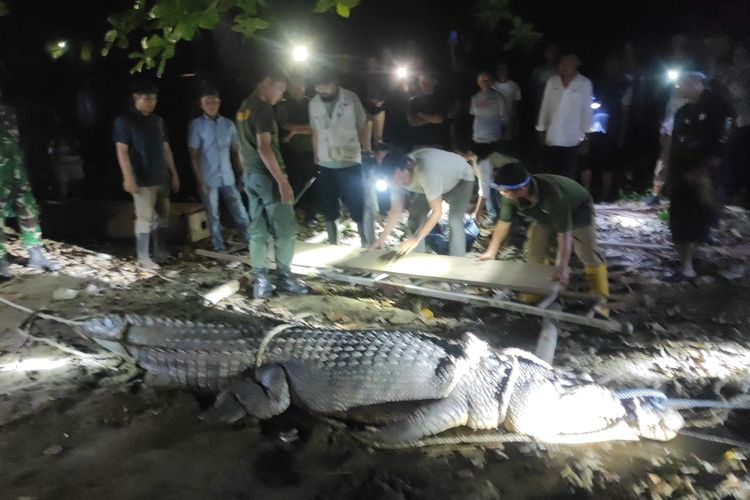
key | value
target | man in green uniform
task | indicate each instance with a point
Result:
(268, 190)
(16, 197)
(558, 205)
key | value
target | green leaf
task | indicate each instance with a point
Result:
(349, 3)
(342, 10)
(322, 6)
(110, 36)
(209, 19)
(248, 6)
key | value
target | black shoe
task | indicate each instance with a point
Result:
(678, 277)
(262, 287)
(285, 282)
(5, 274)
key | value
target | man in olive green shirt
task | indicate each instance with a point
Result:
(558, 205)
(269, 193)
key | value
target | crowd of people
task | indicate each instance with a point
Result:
(289, 149)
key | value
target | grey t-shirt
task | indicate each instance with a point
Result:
(488, 109)
(437, 172)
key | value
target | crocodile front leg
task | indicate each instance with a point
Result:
(262, 393)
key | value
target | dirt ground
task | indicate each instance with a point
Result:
(78, 422)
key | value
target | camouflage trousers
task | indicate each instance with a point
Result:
(17, 199)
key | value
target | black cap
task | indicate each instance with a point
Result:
(210, 92)
(511, 176)
(144, 87)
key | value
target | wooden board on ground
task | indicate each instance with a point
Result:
(520, 276)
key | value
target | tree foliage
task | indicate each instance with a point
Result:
(160, 25)
(169, 22)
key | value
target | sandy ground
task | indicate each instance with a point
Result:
(84, 424)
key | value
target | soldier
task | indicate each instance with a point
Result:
(268, 190)
(16, 195)
(559, 206)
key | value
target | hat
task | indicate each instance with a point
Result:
(511, 176)
(209, 92)
(144, 87)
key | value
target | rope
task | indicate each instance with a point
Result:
(683, 404)
(270, 334)
(50, 317)
(715, 439)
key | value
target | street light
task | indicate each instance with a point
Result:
(300, 53)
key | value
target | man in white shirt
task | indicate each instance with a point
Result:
(433, 175)
(512, 94)
(565, 117)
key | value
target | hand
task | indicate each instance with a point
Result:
(175, 183)
(380, 243)
(130, 186)
(407, 246)
(286, 192)
(562, 274)
(288, 138)
(487, 256)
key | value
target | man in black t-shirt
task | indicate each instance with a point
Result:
(427, 113)
(148, 169)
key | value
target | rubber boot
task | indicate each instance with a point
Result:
(5, 273)
(599, 283)
(158, 240)
(262, 287)
(528, 298)
(286, 282)
(38, 260)
(333, 232)
(142, 251)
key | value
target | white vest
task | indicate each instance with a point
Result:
(338, 138)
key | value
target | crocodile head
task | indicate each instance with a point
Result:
(652, 417)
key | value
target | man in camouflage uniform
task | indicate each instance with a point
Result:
(16, 197)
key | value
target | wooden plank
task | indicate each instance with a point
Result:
(317, 255)
(520, 276)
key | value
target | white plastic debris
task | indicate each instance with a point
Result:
(64, 294)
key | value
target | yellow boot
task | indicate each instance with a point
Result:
(597, 278)
(528, 298)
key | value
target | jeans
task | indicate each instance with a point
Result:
(233, 202)
(458, 200)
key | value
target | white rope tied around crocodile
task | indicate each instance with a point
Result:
(267, 338)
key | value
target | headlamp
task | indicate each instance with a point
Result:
(673, 75)
(381, 185)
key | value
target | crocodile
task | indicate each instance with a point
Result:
(410, 385)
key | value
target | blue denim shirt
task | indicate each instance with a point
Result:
(214, 138)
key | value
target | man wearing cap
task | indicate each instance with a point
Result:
(699, 139)
(433, 175)
(148, 170)
(339, 130)
(214, 153)
(269, 193)
(558, 205)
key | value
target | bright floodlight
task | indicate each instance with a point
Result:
(300, 53)
(62, 44)
(381, 185)
(596, 105)
(673, 75)
(402, 72)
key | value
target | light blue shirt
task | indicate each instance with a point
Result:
(214, 138)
